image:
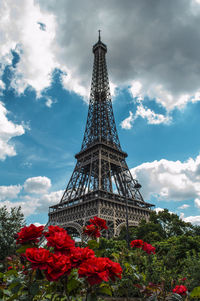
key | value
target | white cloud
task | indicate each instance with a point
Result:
(9, 192)
(33, 205)
(21, 31)
(136, 89)
(151, 116)
(127, 123)
(197, 203)
(146, 113)
(49, 102)
(39, 204)
(37, 198)
(169, 180)
(37, 185)
(49, 199)
(158, 209)
(28, 205)
(38, 224)
(8, 130)
(194, 219)
(2, 85)
(162, 96)
(184, 206)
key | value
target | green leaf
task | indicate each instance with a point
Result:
(7, 292)
(195, 292)
(92, 297)
(23, 248)
(16, 288)
(72, 284)
(11, 273)
(115, 255)
(105, 290)
(34, 289)
(93, 244)
(14, 297)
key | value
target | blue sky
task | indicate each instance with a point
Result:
(45, 72)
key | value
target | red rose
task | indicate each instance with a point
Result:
(183, 279)
(92, 231)
(53, 229)
(114, 269)
(58, 265)
(137, 243)
(78, 255)
(29, 234)
(148, 248)
(180, 289)
(95, 270)
(61, 242)
(38, 257)
(99, 222)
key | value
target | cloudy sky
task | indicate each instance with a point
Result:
(45, 73)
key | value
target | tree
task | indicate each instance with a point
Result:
(10, 224)
(161, 226)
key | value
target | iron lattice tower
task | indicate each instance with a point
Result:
(101, 183)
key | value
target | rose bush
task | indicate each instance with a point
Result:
(61, 270)
(60, 264)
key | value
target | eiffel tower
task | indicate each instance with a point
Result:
(101, 183)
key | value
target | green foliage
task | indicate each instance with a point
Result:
(111, 247)
(161, 226)
(195, 292)
(10, 224)
(150, 277)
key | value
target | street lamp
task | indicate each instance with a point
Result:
(137, 186)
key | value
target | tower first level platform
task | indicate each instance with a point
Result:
(108, 206)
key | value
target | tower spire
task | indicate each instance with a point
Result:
(100, 125)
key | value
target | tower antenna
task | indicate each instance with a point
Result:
(99, 35)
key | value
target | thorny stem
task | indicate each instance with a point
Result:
(29, 285)
(87, 293)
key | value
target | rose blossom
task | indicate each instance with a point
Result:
(53, 229)
(38, 257)
(148, 248)
(183, 279)
(61, 242)
(99, 222)
(99, 269)
(29, 234)
(180, 289)
(114, 269)
(138, 243)
(58, 265)
(92, 231)
(79, 255)
(95, 270)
